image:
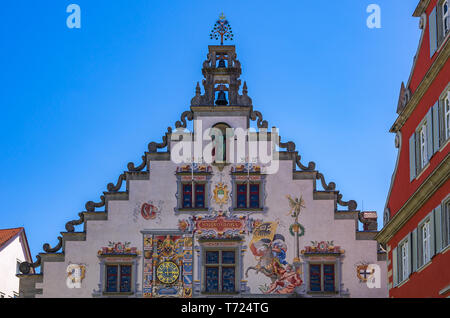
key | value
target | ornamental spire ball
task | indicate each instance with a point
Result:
(221, 29)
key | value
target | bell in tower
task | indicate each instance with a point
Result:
(221, 72)
(222, 63)
(221, 99)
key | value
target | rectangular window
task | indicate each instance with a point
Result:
(322, 277)
(315, 277)
(447, 115)
(111, 278)
(118, 278)
(228, 279)
(212, 279)
(426, 243)
(248, 195)
(254, 196)
(242, 196)
(328, 277)
(125, 278)
(187, 195)
(220, 271)
(446, 223)
(423, 146)
(200, 196)
(404, 272)
(445, 17)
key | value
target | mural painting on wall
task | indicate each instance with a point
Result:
(363, 272)
(322, 247)
(149, 210)
(221, 193)
(246, 167)
(194, 167)
(218, 226)
(167, 266)
(296, 229)
(118, 248)
(270, 250)
(75, 275)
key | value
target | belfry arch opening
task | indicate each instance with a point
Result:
(220, 133)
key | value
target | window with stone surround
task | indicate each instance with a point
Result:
(322, 278)
(220, 271)
(118, 268)
(194, 199)
(446, 223)
(426, 242)
(193, 188)
(322, 263)
(446, 111)
(248, 189)
(118, 278)
(439, 23)
(424, 142)
(220, 266)
(404, 259)
(423, 145)
(426, 239)
(445, 17)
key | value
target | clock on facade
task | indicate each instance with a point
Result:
(167, 272)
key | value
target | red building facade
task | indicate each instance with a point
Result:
(416, 230)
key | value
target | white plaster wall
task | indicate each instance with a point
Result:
(9, 255)
(125, 224)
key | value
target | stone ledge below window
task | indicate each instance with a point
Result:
(117, 293)
(324, 293)
(247, 210)
(192, 210)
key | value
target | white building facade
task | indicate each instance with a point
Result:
(216, 209)
(13, 251)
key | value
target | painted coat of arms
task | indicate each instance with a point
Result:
(221, 193)
(149, 210)
(363, 272)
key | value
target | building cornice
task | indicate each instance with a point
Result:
(421, 7)
(435, 180)
(434, 70)
(221, 111)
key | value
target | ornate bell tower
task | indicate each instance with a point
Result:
(221, 71)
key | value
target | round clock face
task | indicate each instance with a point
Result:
(167, 272)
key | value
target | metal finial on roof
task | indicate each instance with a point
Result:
(222, 29)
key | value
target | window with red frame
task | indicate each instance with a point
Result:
(187, 195)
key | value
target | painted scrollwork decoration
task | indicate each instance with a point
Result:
(289, 146)
(187, 114)
(91, 205)
(260, 123)
(25, 267)
(115, 188)
(153, 146)
(311, 165)
(70, 226)
(351, 204)
(132, 168)
(327, 187)
(46, 247)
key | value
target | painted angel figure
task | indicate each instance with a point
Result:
(296, 205)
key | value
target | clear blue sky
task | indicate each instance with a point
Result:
(78, 105)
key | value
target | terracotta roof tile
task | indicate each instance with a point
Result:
(7, 234)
